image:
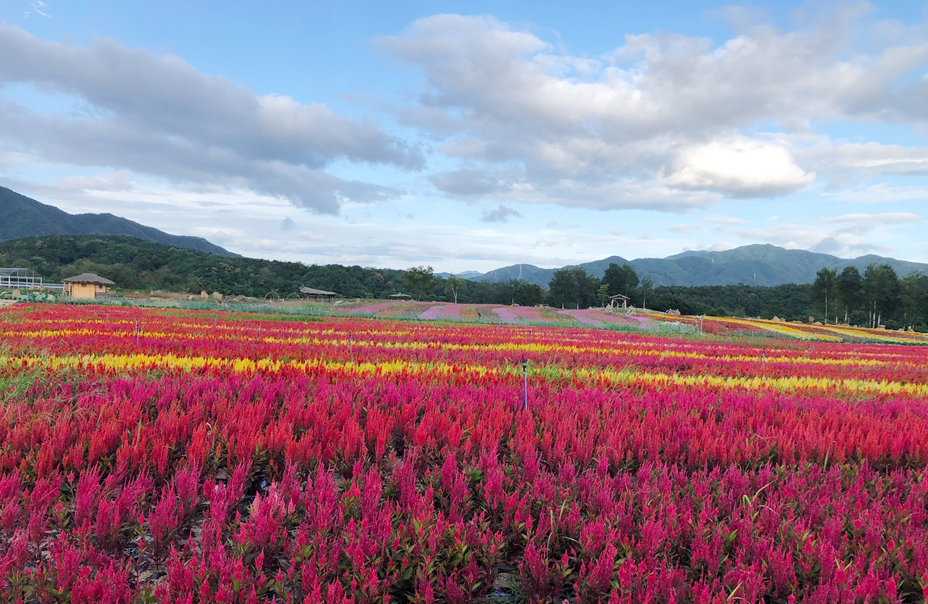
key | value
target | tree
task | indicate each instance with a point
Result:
(621, 279)
(573, 287)
(825, 289)
(915, 298)
(587, 287)
(562, 289)
(527, 294)
(418, 279)
(773, 309)
(603, 293)
(647, 286)
(881, 287)
(850, 290)
(455, 285)
(670, 301)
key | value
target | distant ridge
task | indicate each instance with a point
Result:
(21, 217)
(759, 264)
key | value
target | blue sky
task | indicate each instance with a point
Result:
(472, 135)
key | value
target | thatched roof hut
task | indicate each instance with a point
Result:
(316, 294)
(89, 278)
(87, 285)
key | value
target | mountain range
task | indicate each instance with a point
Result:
(760, 264)
(21, 217)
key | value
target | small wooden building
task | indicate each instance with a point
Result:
(400, 296)
(87, 285)
(308, 293)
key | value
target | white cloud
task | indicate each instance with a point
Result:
(662, 110)
(866, 159)
(879, 193)
(740, 166)
(864, 223)
(37, 7)
(517, 125)
(158, 115)
(115, 182)
(847, 235)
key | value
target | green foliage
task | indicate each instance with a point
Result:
(620, 279)
(736, 300)
(915, 300)
(646, 288)
(882, 292)
(418, 279)
(850, 291)
(878, 297)
(573, 288)
(672, 301)
(773, 309)
(144, 266)
(825, 293)
(527, 294)
(21, 217)
(455, 286)
(603, 293)
(502, 292)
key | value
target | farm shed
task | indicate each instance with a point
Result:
(87, 285)
(308, 293)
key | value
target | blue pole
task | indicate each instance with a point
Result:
(525, 384)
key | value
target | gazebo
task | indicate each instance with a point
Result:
(309, 293)
(87, 285)
(618, 298)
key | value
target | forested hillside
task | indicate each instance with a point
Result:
(755, 265)
(21, 217)
(141, 265)
(875, 296)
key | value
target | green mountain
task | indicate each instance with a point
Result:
(764, 265)
(21, 217)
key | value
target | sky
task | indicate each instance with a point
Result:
(469, 136)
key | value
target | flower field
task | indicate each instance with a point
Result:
(190, 456)
(797, 331)
(487, 313)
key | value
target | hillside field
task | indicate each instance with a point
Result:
(170, 455)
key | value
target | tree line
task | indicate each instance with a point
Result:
(878, 296)
(138, 265)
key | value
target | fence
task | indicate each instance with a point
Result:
(24, 278)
